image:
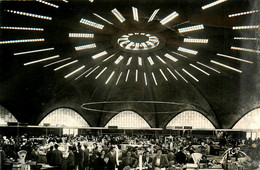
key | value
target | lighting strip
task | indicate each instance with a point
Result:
(191, 28)
(186, 50)
(83, 73)
(245, 27)
(213, 4)
(29, 14)
(59, 61)
(103, 18)
(118, 15)
(109, 57)
(154, 79)
(190, 75)
(84, 47)
(209, 67)
(101, 72)
(34, 51)
(161, 59)
(22, 41)
(129, 61)
(245, 38)
(243, 13)
(226, 66)
(135, 13)
(92, 71)
(169, 18)
(119, 59)
(199, 69)
(127, 74)
(140, 61)
(47, 3)
(91, 23)
(119, 78)
(136, 75)
(234, 58)
(111, 75)
(179, 54)
(170, 57)
(181, 76)
(245, 49)
(65, 1)
(172, 74)
(150, 60)
(145, 79)
(195, 40)
(44, 59)
(163, 75)
(99, 54)
(22, 28)
(75, 71)
(81, 35)
(65, 65)
(153, 15)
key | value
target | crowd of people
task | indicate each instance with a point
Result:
(119, 151)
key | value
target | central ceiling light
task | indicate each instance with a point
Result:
(138, 41)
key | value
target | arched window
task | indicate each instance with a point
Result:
(250, 121)
(64, 117)
(191, 118)
(128, 119)
(6, 116)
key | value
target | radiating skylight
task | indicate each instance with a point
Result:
(30, 14)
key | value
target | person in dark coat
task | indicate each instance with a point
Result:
(108, 164)
(181, 157)
(50, 156)
(70, 160)
(86, 157)
(99, 163)
(80, 157)
(129, 161)
(147, 160)
(160, 161)
(57, 156)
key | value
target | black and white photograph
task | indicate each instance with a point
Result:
(130, 85)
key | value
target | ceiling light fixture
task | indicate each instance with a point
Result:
(145, 79)
(118, 15)
(179, 54)
(41, 60)
(155, 82)
(243, 13)
(181, 76)
(199, 69)
(161, 59)
(99, 54)
(136, 75)
(213, 4)
(119, 78)
(119, 59)
(153, 15)
(150, 60)
(59, 61)
(22, 41)
(75, 71)
(195, 40)
(163, 75)
(245, 49)
(30, 14)
(226, 66)
(129, 61)
(170, 57)
(191, 28)
(186, 50)
(22, 28)
(246, 38)
(208, 67)
(190, 75)
(127, 74)
(109, 57)
(91, 23)
(92, 71)
(101, 72)
(169, 18)
(81, 35)
(172, 74)
(234, 58)
(245, 27)
(34, 51)
(135, 13)
(103, 19)
(140, 61)
(84, 47)
(111, 75)
(65, 65)
(83, 73)
(47, 3)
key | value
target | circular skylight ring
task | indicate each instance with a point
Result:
(138, 41)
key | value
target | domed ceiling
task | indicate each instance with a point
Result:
(156, 58)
